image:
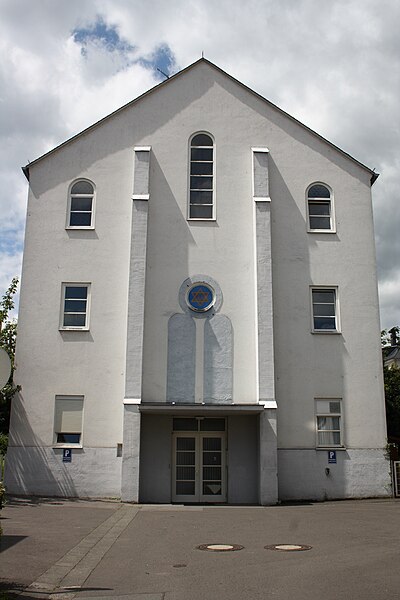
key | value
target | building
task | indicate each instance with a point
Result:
(391, 354)
(198, 279)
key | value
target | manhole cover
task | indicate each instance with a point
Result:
(288, 547)
(220, 547)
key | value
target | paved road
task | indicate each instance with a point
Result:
(81, 549)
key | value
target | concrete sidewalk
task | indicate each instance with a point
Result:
(81, 549)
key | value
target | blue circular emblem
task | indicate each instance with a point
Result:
(200, 297)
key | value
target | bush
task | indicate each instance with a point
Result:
(3, 443)
(2, 494)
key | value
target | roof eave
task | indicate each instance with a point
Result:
(374, 177)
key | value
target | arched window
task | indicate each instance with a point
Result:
(320, 208)
(81, 205)
(201, 195)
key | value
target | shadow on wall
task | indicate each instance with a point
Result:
(315, 363)
(30, 468)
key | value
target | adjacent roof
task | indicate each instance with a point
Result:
(168, 81)
(393, 354)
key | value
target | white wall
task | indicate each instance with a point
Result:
(92, 364)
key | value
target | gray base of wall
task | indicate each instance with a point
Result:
(96, 473)
(92, 473)
(359, 473)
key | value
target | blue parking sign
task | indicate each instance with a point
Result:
(332, 457)
(67, 455)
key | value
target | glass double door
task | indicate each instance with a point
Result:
(199, 467)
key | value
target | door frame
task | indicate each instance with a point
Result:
(198, 496)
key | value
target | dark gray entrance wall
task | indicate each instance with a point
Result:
(155, 459)
(243, 460)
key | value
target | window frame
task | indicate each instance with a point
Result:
(69, 204)
(330, 201)
(324, 288)
(322, 413)
(214, 215)
(66, 397)
(64, 286)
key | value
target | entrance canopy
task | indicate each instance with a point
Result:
(201, 409)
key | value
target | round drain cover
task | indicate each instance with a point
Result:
(288, 547)
(220, 547)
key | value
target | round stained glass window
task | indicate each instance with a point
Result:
(200, 297)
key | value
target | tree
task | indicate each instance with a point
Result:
(392, 400)
(391, 378)
(8, 335)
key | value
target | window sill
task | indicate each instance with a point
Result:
(73, 329)
(194, 219)
(326, 332)
(321, 230)
(340, 448)
(85, 227)
(55, 446)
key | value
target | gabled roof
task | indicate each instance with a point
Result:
(374, 176)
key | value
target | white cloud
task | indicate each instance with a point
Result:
(335, 66)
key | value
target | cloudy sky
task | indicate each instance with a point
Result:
(334, 65)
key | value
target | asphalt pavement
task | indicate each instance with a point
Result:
(76, 549)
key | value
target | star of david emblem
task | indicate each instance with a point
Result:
(200, 297)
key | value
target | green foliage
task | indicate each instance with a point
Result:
(2, 494)
(392, 399)
(8, 335)
(3, 444)
(386, 338)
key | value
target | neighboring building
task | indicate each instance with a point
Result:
(391, 354)
(199, 277)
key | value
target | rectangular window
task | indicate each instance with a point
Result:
(324, 310)
(319, 212)
(81, 205)
(202, 177)
(329, 423)
(68, 420)
(320, 209)
(75, 306)
(81, 212)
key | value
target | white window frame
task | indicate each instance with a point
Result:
(65, 398)
(332, 228)
(322, 288)
(70, 195)
(323, 413)
(64, 286)
(214, 214)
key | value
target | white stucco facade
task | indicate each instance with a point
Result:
(145, 361)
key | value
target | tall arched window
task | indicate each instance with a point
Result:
(201, 195)
(81, 205)
(320, 208)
